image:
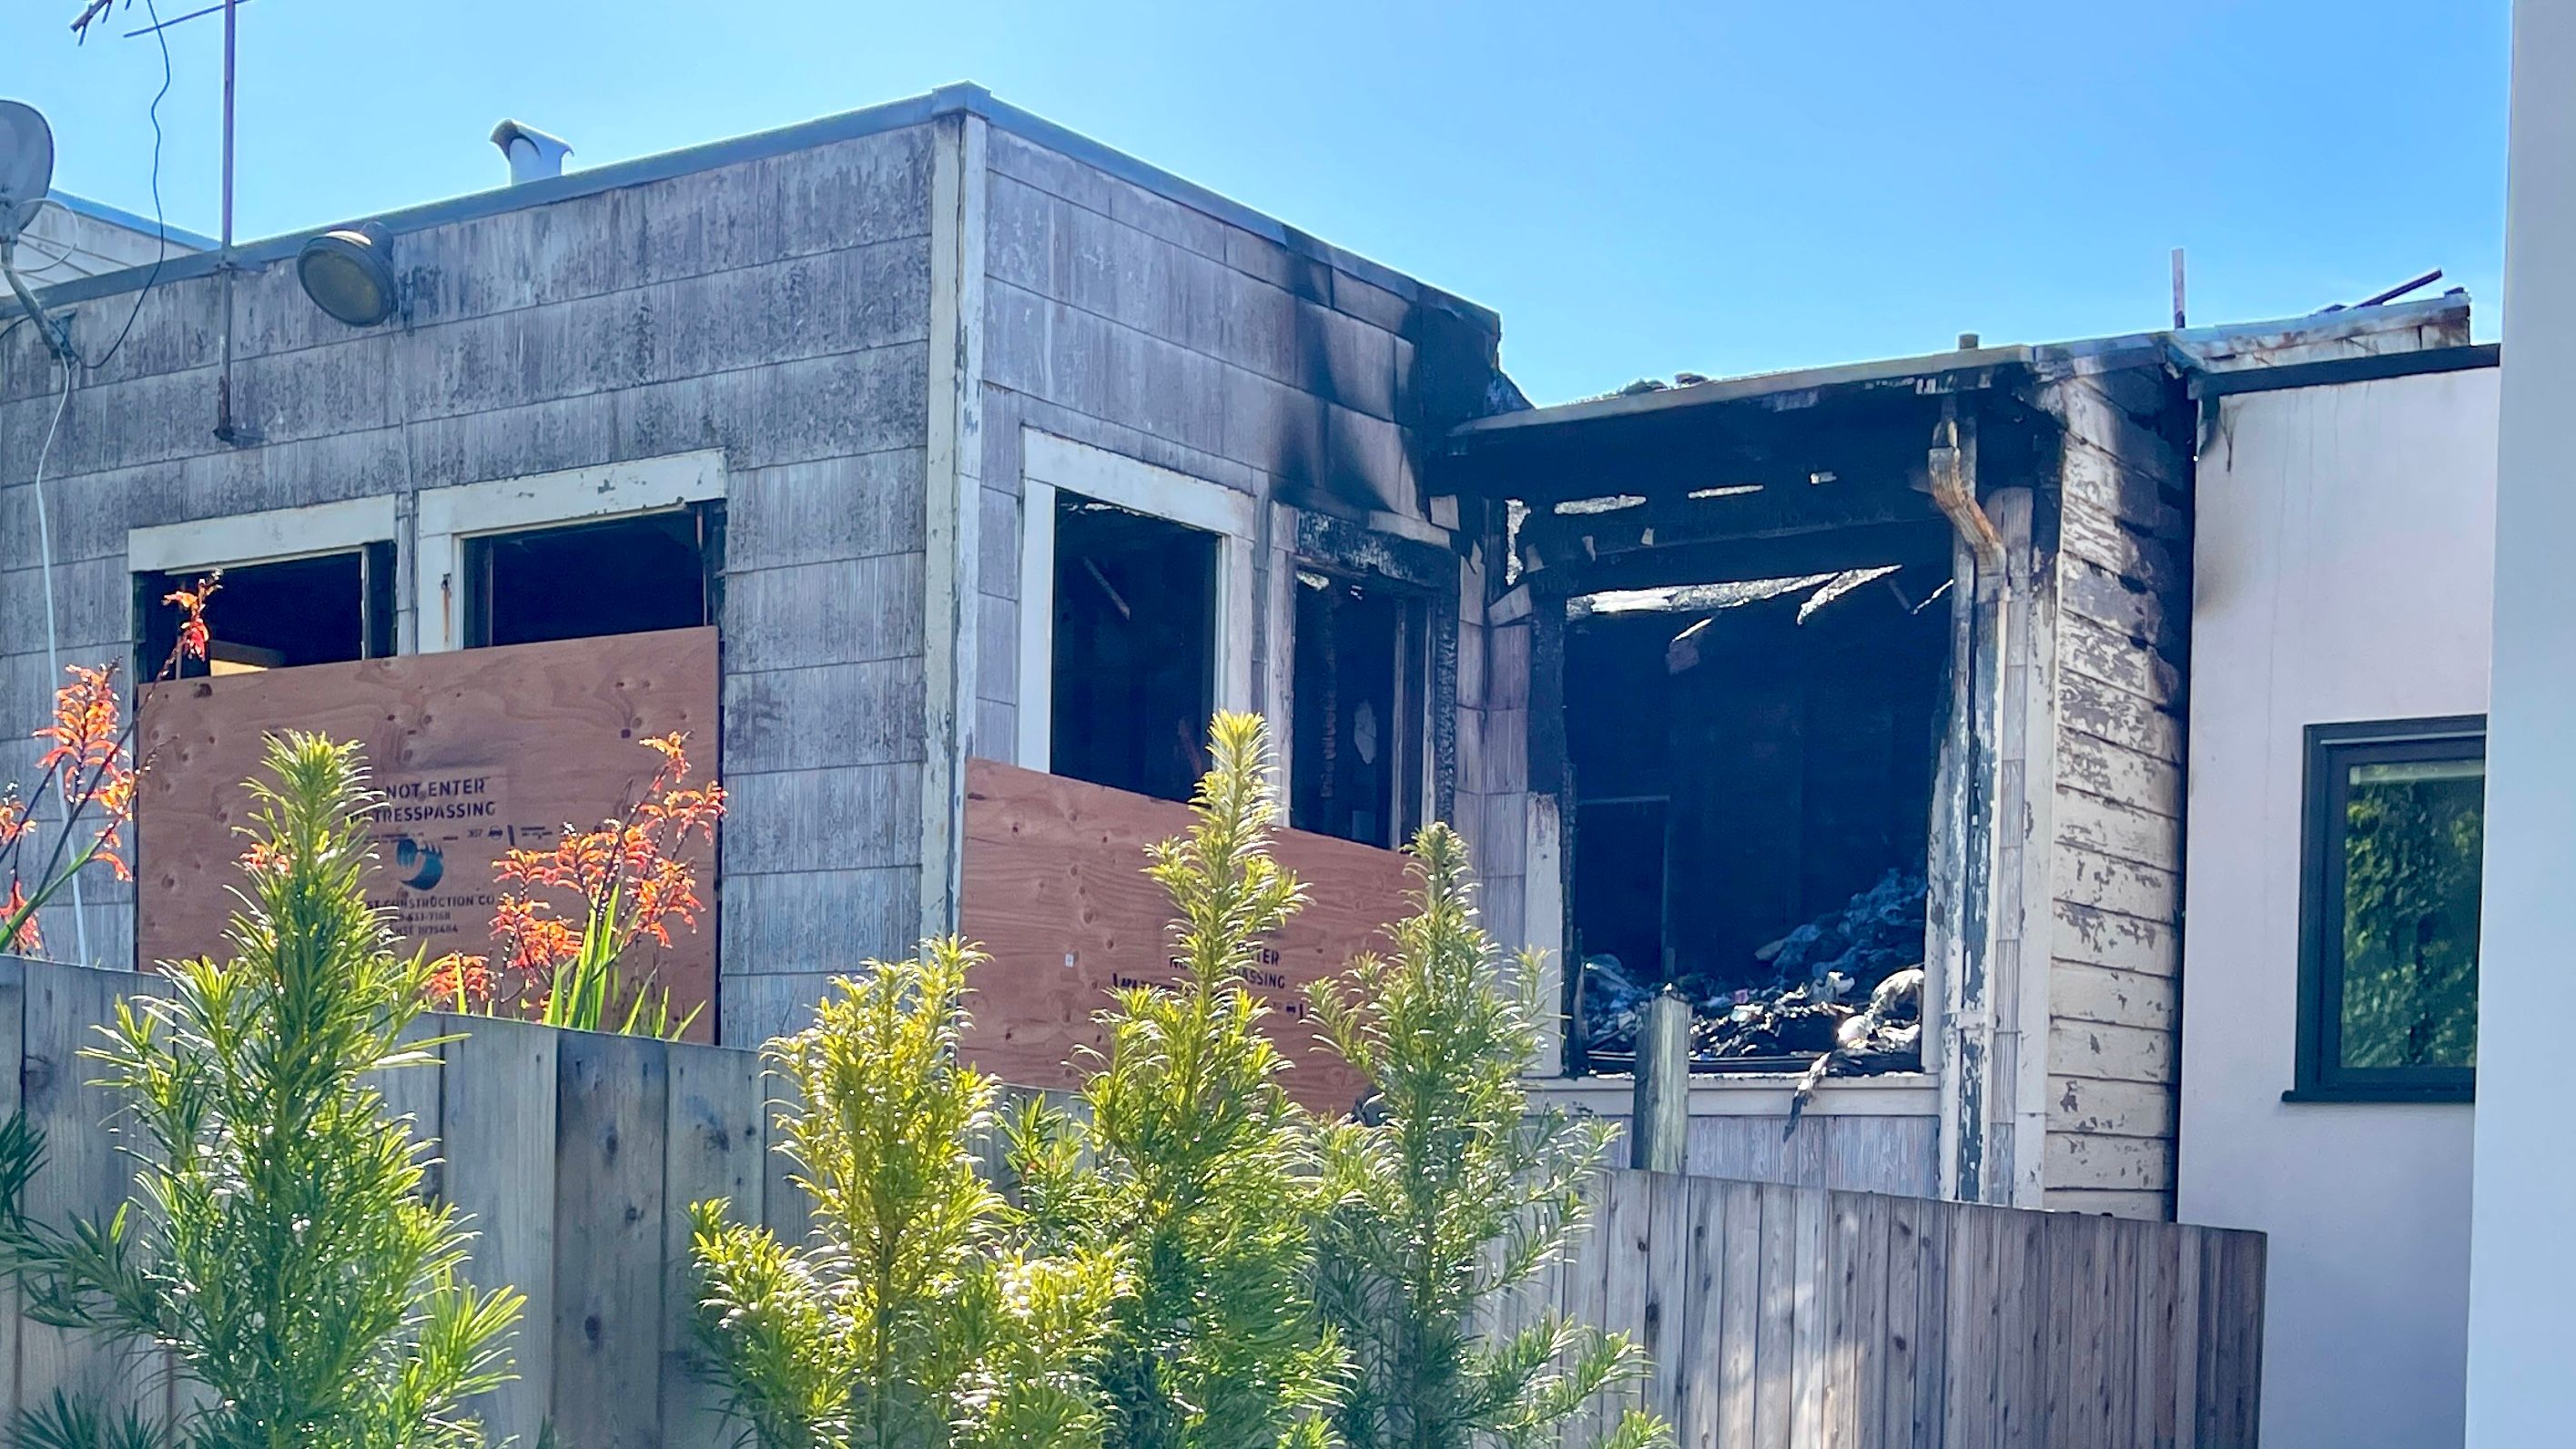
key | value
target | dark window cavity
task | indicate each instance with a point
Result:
(1357, 722)
(325, 609)
(1135, 648)
(2395, 830)
(579, 581)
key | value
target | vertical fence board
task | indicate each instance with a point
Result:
(1932, 1327)
(496, 1106)
(1774, 1343)
(1807, 1416)
(1668, 1285)
(786, 1208)
(2151, 1416)
(1891, 1422)
(1739, 1373)
(2120, 1363)
(84, 1176)
(2189, 1334)
(1587, 1271)
(1700, 1340)
(1968, 1370)
(712, 1150)
(612, 1108)
(1855, 1318)
(2028, 1325)
(1626, 1233)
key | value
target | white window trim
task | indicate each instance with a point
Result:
(272, 536)
(1049, 463)
(448, 517)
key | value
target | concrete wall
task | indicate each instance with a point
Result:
(2522, 1280)
(1173, 336)
(2344, 547)
(774, 306)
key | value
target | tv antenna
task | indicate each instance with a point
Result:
(26, 177)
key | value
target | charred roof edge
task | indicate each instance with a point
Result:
(2198, 350)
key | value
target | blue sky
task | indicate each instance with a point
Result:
(1731, 186)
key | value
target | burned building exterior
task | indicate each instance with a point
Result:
(968, 438)
(1874, 651)
(959, 444)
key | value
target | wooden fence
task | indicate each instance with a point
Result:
(1781, 1317)
(1803, 1318)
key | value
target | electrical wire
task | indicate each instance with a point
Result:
(160, 223)
(53, 630)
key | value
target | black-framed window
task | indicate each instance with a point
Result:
(2395, 829)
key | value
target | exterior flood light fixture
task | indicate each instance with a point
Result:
(350, 274)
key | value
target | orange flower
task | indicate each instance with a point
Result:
(27, 941)
(88, 758)
(634, 859)
(460, 980)
(193, 634)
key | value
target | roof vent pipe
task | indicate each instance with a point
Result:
(533, 154)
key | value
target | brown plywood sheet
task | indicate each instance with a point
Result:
(476, 751)
(1055, 891)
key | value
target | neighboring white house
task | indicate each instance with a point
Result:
(2523, 1279)
(2344, 556)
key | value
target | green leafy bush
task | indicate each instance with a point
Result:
(906, 1321)
(1451, 1191)
(282, 1252)
(1190, 1161)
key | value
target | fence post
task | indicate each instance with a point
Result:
(1659, 1120)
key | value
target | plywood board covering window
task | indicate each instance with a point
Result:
(1135, 615)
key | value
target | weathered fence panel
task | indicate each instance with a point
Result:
(1807, 1318)
(1781, 1317)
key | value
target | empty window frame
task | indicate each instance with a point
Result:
(627, 575)
(1356, 690)
(1135, 615)
(279, 614)
(1134, 669)
(517, 560)
(2390, 880)
(306, 585)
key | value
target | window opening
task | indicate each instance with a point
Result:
(1133, 677)
(625, 575)
(1753, 767)
(325, 609)
(1357, 717)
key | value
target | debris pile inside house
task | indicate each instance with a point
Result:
(1845, 995)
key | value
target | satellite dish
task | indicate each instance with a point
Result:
(26, 165)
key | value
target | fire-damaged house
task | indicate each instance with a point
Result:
(938, 471)
(1848, 702)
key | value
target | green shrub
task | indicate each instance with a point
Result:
(1190, 1162)
(906, 1321)
(1450, 1191)
(280, 1249)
